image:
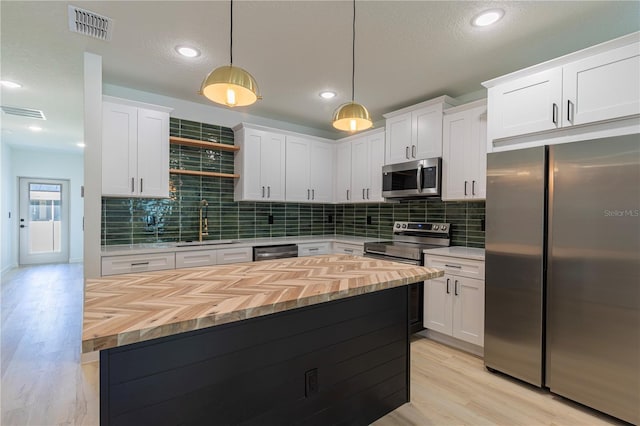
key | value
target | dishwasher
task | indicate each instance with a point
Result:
(280, 251)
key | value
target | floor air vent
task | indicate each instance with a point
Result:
(90, 24)
(23, 112)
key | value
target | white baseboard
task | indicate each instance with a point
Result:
(76, 260)
(453, 342)
(8, 268)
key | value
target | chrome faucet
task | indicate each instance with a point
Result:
(203, 230)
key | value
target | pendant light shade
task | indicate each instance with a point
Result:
(352, 117)
(229, 85)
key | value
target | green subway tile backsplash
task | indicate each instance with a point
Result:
(133, 220)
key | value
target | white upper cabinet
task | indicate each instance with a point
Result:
(135, 149)
(366, 153)
(415, 132)
(260, 164)
(602, 87)
(309, 170)
(343, 193)
(544, 103)
(298, 178)
(527, 105)
(464, 157)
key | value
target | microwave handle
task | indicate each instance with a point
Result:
(419, 177)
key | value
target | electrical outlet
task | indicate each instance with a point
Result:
(311, 382)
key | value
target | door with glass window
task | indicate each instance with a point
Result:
(44, 221)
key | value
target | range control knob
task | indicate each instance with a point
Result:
(444, 227)
(436, 227)
(397, 225)
(404, 225)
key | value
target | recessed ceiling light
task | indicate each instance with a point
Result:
(187, 51)
(81, 144)
(10, 84)
(488, 17)
(35, 128)
(327, 94)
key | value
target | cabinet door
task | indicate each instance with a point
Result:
(375, 144)
(477, 153)
(457, 131)
(321, 170)
(119, 149)
(602, 87)
(252, 186)
(298, 155)
(427, 133)
(343, 172)
(272, 166)
(153, 153)
(527, 105)
(468, 310)
(438, 304)
(360, 169)
(234, 255)
(398, 140)
(194, 258)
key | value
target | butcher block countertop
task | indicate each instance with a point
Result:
(124, 309)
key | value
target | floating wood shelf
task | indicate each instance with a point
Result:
(208, 174)
(202, 144)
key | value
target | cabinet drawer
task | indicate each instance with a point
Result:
(188, 259)
(456, 266)
(313, 249)
(345, 248)
(234, 255)
(115, 265)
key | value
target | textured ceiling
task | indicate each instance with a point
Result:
(406, 52)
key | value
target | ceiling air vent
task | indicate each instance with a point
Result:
(23, 112)
(90, 24)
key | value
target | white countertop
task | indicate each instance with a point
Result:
(132, 249)
(459, 252)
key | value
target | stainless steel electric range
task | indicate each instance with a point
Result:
(409, 241)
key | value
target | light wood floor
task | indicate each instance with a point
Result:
(43, 382)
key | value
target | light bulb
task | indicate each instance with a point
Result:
(231, 96)
(353, 125)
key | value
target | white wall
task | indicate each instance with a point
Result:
(50, 165)
(7, 191)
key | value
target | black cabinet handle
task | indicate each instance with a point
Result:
(554, 113)
(455, 288)
(133, 182)
(473, 187)
(465, 187)
(448, 292)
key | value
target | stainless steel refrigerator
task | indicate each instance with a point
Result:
(563, 270)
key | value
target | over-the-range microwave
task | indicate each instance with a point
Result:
(419, 178)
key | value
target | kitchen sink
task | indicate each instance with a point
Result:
(202, 243)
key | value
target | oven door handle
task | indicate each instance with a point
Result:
(374, 255)
(419, 178)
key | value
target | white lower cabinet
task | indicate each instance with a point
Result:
(346, 248)
(313, 249)
(454, 304)
(114, 265)
(234, 255)
(190, 259)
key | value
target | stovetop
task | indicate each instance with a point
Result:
(410, 239)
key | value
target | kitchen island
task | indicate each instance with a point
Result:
(314, 340)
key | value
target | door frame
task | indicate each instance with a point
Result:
(24, 258)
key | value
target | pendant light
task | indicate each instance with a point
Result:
(352, 117)
(230, 85)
